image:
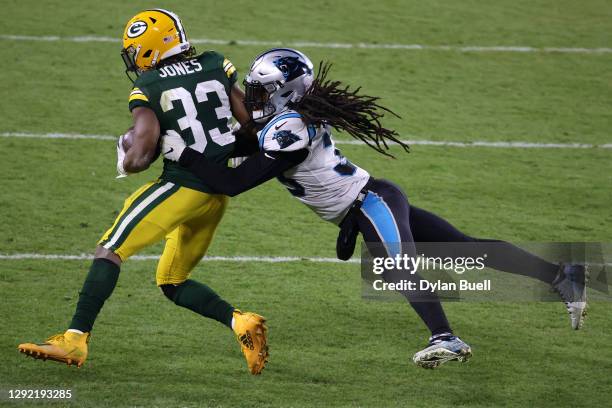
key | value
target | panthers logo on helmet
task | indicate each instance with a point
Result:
(285, 138)
(291, 67)
(137, 28)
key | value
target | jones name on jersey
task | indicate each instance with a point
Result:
(325, 181)
(180, 68)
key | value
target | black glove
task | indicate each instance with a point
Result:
(347, 237)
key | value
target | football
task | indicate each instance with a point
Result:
(128, 140)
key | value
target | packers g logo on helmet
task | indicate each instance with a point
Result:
(151, 36)
(136, 29)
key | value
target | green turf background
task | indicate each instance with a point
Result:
(329, 347)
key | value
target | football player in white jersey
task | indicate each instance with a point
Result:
(295, 145)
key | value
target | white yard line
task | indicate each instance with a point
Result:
(28, 135)
(482, 143)
(264, 259)
(260, 259)
(478, 143)
(330, 45)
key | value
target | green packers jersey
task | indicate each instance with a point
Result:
(191, 98)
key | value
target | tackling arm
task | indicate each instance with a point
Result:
(146, 134)
(254, 171)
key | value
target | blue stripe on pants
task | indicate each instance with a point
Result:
(379, 214)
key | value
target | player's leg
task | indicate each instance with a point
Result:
(141, 223)
(147, 215)
(383, 223)
(71, 346)
(569, 280)
(383, 219)
(184, 248)
(503, 256)
(173, 273)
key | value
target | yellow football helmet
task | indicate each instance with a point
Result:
(151, 36)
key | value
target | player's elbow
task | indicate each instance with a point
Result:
(137, 162)
(236, 183)
(135, 166)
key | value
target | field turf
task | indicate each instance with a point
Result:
(328, 346)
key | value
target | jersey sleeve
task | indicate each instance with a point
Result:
(285, 133)
(230, 71)
(224, 63)
(138, 97)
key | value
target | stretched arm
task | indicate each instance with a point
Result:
(146, 134)
(254, 171)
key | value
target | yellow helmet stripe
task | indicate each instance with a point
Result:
(176, 21)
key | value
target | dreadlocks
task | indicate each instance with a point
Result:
(332, 103)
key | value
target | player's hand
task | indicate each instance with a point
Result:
(172, 146)
(120, 156)
(248, 130)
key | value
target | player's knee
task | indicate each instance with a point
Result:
(169, 291)
(104, 253)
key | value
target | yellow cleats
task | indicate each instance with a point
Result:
(252, 334)
(69, 348)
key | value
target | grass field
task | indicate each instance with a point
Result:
(328, 346)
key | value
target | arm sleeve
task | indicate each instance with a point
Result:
(256, 170)
(245, 146)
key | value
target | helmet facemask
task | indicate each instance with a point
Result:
(129, 56)
(257, 100)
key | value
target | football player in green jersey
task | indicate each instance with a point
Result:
(193, 96)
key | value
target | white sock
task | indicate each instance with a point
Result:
(75, 331)
(232, 323)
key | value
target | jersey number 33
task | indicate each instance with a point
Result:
(221, 134)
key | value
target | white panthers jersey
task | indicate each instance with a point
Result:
(325, 181)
